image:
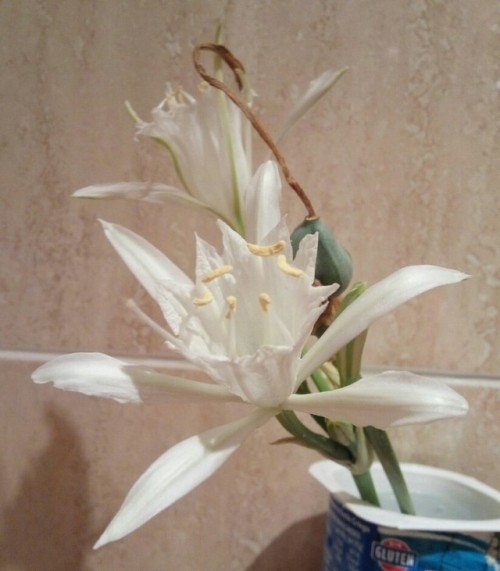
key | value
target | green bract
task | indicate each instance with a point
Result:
(333, 262)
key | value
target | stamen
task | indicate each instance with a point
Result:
(266, 250)
(264, 300)
(203, 86)
(284, 266)
(205, 300)
(208, 277)
(174, 97)
(231, 302)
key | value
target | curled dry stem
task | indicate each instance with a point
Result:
(237, 68)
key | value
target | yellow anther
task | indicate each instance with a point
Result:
(205, 299)
(266, 250)
(203, 86)
(264, 301)
(231, 303)
(208, 277)
(284, 266)
(174, 97)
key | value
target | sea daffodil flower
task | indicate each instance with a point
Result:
(209, 141)
(244, 321)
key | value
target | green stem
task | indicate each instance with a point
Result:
(366, 488)
(348, 359)
(321, 382)
(385, 453)
(310, 439)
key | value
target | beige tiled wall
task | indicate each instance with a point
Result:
(402, 160)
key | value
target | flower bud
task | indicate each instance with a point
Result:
(342, 432)
(333, 262)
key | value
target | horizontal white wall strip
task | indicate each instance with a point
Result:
(42, 357)
(150, 361)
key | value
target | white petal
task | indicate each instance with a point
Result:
(148, 191)
(392, 398)
(96, 374)
(305, 258)
(375, 302)
(178, 471)
(262, 202)
(317, 88)
(152, 268)
(264, 378)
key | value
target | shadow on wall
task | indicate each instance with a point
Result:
(298, 548)
(47, 525)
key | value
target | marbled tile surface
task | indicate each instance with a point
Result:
(401, 159)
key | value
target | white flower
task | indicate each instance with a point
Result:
(209, 141)
(244, 320)
(205, 137)
(246, 317)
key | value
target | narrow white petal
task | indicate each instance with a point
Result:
(392, 398)
(96, 374)
(317, 88)
(155, 192)
(152, 268)
(375, 302)
(178, 471)
(262, 202)
(149, 191)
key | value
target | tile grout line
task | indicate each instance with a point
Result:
(43, 356)
(479, 381)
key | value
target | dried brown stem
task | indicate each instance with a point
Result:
(236, 67)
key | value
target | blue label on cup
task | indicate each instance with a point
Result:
(353, 544)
